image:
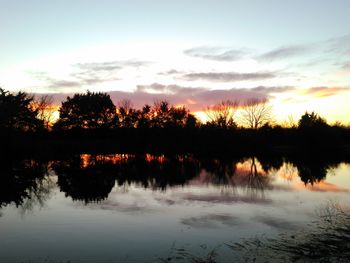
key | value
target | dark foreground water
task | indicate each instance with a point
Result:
(127, 208)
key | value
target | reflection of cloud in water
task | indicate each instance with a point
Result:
(322, 187)
(211, 221)
(109, 205)
(226, 198)
(275, 222)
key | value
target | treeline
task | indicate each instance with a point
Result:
(90, 122)
(93, 110)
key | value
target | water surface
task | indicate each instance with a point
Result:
(137, 208)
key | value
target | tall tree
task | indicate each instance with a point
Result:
(89, 110)
(17, 112)
(256, 113)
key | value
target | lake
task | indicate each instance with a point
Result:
(142, 208)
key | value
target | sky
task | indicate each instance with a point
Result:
(294, 53)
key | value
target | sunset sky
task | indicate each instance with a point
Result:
(193, 53)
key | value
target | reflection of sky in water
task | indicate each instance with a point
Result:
(140, 224)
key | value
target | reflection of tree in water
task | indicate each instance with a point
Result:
(254, 180)
(23, 183)
(218, 171)
(233, 176)
(92, 177)
(269, 163)
(157, 172)
(39, 195)
(313, 171)
(85, 181)
(288, 172)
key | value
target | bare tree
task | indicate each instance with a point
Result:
(289, 122)
(222, 114)
(46, 109)
(125, 106)
(256, 113)
(127, 115)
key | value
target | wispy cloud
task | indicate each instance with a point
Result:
(228, 76)
(195, 98)
(111, 65)
(216, 53)
(339, 45)
(87, 74)
(284, 52)
(320, 92)
(170, 72)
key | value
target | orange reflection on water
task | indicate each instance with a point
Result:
(322, 186)
(154, 158)
(288, 172)
(89, 159)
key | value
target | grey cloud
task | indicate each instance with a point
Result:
(211, 221)
(339, 45)
(228, 76)
(273, 89)
(216, 53)
(111, 65)
(276, 222)
(284, 52)
(346, 66)
(170, 72)
(195, 98)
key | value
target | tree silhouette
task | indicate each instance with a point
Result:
(45, 108)
(89, 110)
(144, 117)
(311, 120)
(17, 112)
(222, 114)
(160, 114)
(127, 116)
(163, 115)
(256, 113)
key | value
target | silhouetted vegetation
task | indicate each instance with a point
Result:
(312, 120)
(90, 122)
(18, 112)
(222, 115)
(21, 181)
(90, 110)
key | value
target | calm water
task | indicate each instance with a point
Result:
(126, 208)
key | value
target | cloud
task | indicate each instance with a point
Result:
(211, 221)
(321, 92)
(216, 53)
(111, 65)
(170, 72)
(284, 52)
(339, 45)
(323, 187)
(228, 76)
(194, 98)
